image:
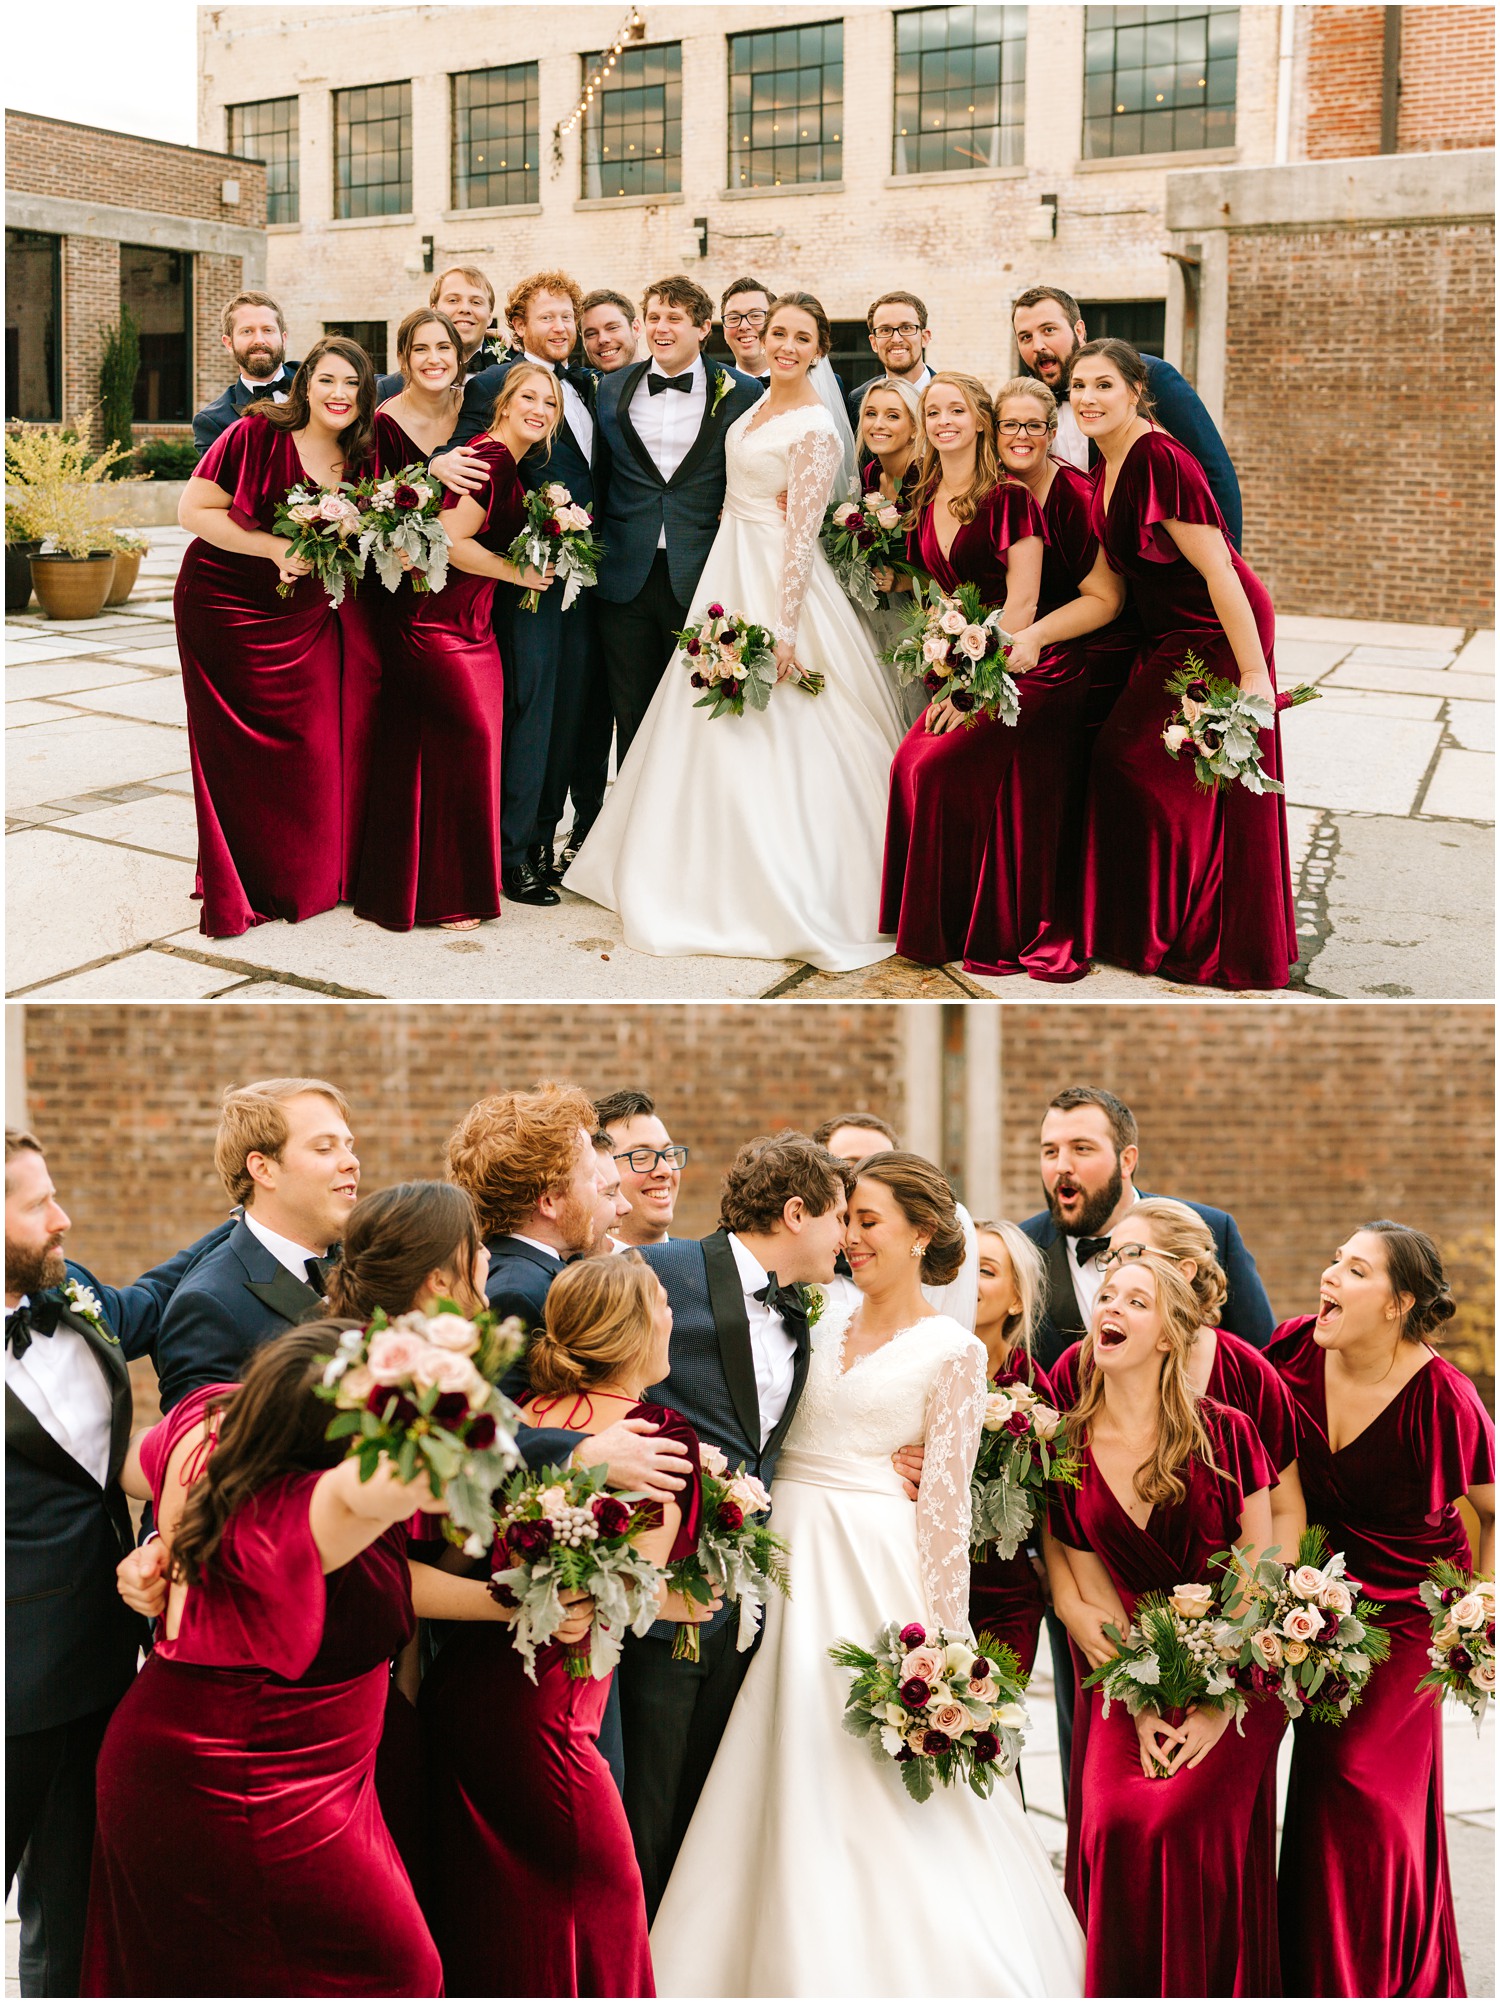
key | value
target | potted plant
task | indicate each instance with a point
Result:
(20, 547)
(129, 546)
(48, 475)
(119, 366)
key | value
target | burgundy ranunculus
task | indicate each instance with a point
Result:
(902, 1754)
(729, 635)
(552, 526)
(405, 1408)
(1197, 691)
(731, 687)
(1449, 1594)
(1212, 739)
(915, 1693)
(986, 1748)
(1263, 1681)
(856, 520)
(1018, 1423)
(611, 1515)
(1335, 1688)
(698, 681)
(406, 497)
(729, 1516)
(980, 1668)
(481, 1434)
(912, 1636)
(503, 1594)
(1461, 1660)
(531, 1538)
(936, 1742)
(932, 681)
(450, 1405)
(716, 612)
(695, 646)
(866, 538)
(962, 700)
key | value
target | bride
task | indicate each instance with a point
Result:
(761, 836)
(807, 1869)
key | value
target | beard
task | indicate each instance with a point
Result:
(1097, 1209)
(579, 1224)
(261, 364)
(31, 1269)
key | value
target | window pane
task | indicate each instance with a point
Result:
(33, 287)
(372, 150)
(268, 131)
(495, 137)
(966, 109)
(787, 93)
(632, 132)
(157, 287)
(1170, 78)
(370, 335)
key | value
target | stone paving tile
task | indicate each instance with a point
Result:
(1445, 682)
(1473, 724)
(162, 821)
(1478, 655)
(1353, 762)
(1110, 984)
(1372, 702)
(63, 677)
(266, 991)
(19, 714)
(159, 700)
(1463, 787)
(1409, 912)
(176, 782)
(1401, 657)
(151, 657)
(1366, 632)
(70, 903)
(1306, 660)
(888, 980)
(79, 754)
(145, 976)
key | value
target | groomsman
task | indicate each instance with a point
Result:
(555, 740)
(468, 298)
(898, 332)
(663, 423)
(1049, 327)
(611, 331)
(852, 1136)
(70, 1641)
(285, 1153)
(649, 1162)
(745, 308)
(614, 1205)
(253, 331)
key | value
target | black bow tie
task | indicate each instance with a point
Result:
(31, 1318)
(318, 1271)
(789, 1302)
(1085, 1248)
(656, 384)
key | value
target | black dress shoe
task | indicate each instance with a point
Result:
(577, 836)
(522, 885)
(543, 868)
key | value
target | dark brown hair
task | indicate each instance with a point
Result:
(1415, 1266)
(226, 318)
(683, 292)
(744, 285)
(625, 1104)
(1037, 293)
(1127, 360)
(19, 1141)
(925, 1199)
(357, 439)
(408, 331)
(394, 1239)
(604, 297)
(813, 308)
(1121, 1120)
(896, 299)
(824, 1134)
(770, 1170)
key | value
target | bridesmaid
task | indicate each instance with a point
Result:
(419, 419)
(528, 1819)
(1392, 1436)
(1172, 1864)
(263, 676)
(890, 427)
(1005, 1594)
(1190, 885)
(958, 786)
(240, 1846)
(432, 833)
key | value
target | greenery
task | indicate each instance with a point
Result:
(47, 477)
(118, 369)
(167, 458)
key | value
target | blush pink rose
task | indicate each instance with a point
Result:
(1482, 1676)
(950, 1718)
(934, 648)
(451, 1331)
(1336, 1597)
(354, 1387)
(1469, 1612)
(1307, 1582)
(1302, 1624)
(984, 1690)
(924, 1663)
(393, 1356)
(1268, 1641)
(973, 641)
(448, 1371)
(953, 621)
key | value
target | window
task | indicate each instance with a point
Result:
(157, 286)
(370, 335)
(960, 89)
(632, 132)
(786, 106)
(268, 131)
(372, 150)
(1158, 79)
(495, 143)
(1141, 322)
(33, 292)
(854, 360)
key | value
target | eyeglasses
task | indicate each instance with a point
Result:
(1011, 427)
(751, 319)
(906, 330)
(1104, 1260)
(644, 1160)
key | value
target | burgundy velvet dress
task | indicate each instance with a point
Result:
(278, 694)
(240, 1848)
(1191, 885)
(976, 813)
(1005, 1594)
(535, 1886)
(432, 829)
(1366, 1905)
(1174, 1879)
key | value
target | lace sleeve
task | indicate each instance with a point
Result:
(955, 1412)
(811, 468)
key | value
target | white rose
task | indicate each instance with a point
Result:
(887, 516)
(1045, 1422)
(1174, 737)
(354, 1387)
(711, 1460)
(1190, 709)
(842, 513)
(935, 649)
(552, 1502)
(1192, 1602)
(1307, 1582)
(997, 1409)
(1469, 1612)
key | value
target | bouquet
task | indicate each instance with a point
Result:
(1216, 725)
(417, 1392)
(1017, 1458)
(323, 528)
(1463, 1636)
(941, 1708)
(402, 517)
(561, 533)
(737, 1558)
(734, 663)
(958, 650)
(861, 536)
(563, 1529)
(1174, 1654)
(1304, 1630)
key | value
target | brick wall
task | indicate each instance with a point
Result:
(1419, 537)
(1447, 79)
(82, 163)
(216, 280)
(1345, 63)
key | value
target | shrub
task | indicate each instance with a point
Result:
(118, 369)
(47, 477)
(167, 458)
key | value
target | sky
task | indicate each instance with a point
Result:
(129, 69)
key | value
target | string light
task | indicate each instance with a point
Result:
(634, 30)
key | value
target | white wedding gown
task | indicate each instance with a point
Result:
(807, 1869)
(760, 836)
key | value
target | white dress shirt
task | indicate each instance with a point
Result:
(536, 1245)
(267, 383)
(773, 1350)
(283, 1250)
(575, 410)
(61, 1382)
(668, 422)
(1070, 443)
(1087, 1280)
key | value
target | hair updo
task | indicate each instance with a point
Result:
(600, 1324)
(1182, 1235)
(394, 1239)
(925, 1200)
(1415, 1266)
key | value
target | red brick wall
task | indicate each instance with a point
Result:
(1447, 79)
(1344, 69)
(81, 163)
(1343, 517)
(216, 280)
(91, 302)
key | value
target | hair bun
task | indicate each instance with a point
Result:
(1442, 1307)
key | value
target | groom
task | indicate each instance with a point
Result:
(663, 423)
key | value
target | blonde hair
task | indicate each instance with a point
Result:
(988, 471)
(1029, 1271)
(514, 377)
(1183, 1235)
(600, 1323)
(1180, 1431)
(1033, 387)
(252, 1120)
(908, 397)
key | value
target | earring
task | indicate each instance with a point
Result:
(917, 1251)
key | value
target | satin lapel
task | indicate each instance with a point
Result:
(707, 432)
(26, 1435)
(286, 1295)
(632, 437)
(726, 1298)
(1062, 1302)
(789, 1411)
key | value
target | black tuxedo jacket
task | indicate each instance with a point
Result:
(565, 461)
(70, 1640)
(519, 1281)
(232, 1301)
(217, 416)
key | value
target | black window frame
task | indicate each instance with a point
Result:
(932, 118)
(355, 330)
(521, 186)
(155, 355)
(1141, 322)
(349, 195)
(1165, 94)
(283, 202)
(756, 157)
(608, 149)
(15, 299)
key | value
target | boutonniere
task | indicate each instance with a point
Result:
(86, 1304)
(814, 1299)
(723, 384)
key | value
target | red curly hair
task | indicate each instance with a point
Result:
(522, 295)
(511, 1150)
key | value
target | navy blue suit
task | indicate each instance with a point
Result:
(232, 1301)
(216, 417)
(1180, 410)
(485, 356)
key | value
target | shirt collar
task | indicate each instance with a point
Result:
(536, 1245)
(286, 1251)
(698, 372)
(753, 1275)
(264, 382)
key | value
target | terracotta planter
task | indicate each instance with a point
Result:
(72, 587)
(18, 557)
(127, 569)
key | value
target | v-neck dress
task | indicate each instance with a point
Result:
(1366, 1903)
(1174, 1878)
